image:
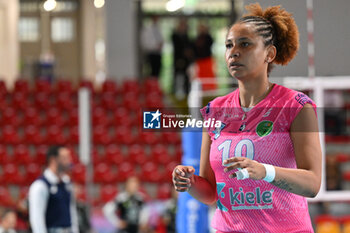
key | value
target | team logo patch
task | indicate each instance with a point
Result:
(221, 194)
(264, 128)
(151, 120)
(217, 130)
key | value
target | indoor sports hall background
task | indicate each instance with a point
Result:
(88, 73)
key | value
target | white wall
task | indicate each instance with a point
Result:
(120, 39)
(9, 50)
(88, 39)
(332, 37)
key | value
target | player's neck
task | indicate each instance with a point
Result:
(251, 93)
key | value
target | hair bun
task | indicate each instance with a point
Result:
(285, 28)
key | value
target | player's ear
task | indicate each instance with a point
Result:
(271, 53)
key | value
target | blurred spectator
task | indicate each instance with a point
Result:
(126, 210)
(335, 113)
(23, 225)
(170, 212)
(8, 221)
(183, 56)
(52, 208)
(204, 65)
(82, 212)
(333, 177)
(152, 44)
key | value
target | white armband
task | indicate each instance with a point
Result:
(270, 172)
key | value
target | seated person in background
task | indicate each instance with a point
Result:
(126, 210)
(8, 221)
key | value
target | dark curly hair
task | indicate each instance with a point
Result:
(277, 27)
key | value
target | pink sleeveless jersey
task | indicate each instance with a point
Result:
(262, 134)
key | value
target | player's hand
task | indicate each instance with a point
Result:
(255, 169)
(183, 178)
(122, 224)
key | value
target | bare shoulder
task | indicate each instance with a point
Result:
(306, 120)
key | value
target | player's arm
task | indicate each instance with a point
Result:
(38, 198)
(305, 180)
(202, 187)
(74, 214)
(109, 210)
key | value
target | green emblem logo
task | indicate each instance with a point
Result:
(264, 128)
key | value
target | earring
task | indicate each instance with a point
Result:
(267, 60)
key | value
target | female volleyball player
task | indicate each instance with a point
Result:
(265, 158)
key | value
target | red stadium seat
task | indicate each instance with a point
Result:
(131, 86)
(20, 100)
(10, 117)
(151, 84)
(101, 135)
(103, 174)
(154, 100)
(100, 117)
(137, 155)
(148, 138)
(11, 175)
(73, 117)
(32, 117)
(21, 155)
(73, 135)
(124, 135)
(9, 136)
(79, 173)
(55, 135)
(152, 87)
(40, 154)
(109, 87)
(131, 102)
(109, 101)
(114, 155)
(21, 86)
(3, 103)
(87, 84)
(33, 171)
(64, 86)
(32, 135)
(66, 101)
(108, 193)
(150, 173)
(54, 116)
(43, 86)
(121, 116)
(125, 170)
(171, 138)
(95, 101)
(161, 155)
(74, 153)
(42, 101)
(3, 89)
(5, 197)
(3, 155)
(178, 153)
(96, 157)
(164, 191)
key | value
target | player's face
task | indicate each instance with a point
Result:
(245, 52)
(10, 220)
(64, 160)
(132, 185)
